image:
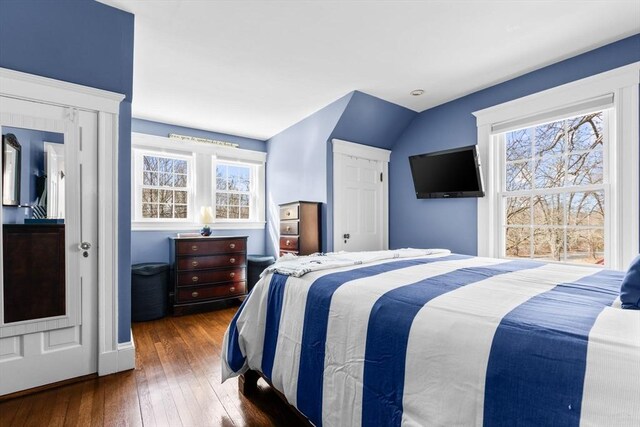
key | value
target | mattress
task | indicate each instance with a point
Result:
(441, 339)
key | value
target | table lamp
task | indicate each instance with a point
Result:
(206, 218)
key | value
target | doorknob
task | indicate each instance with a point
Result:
(345, 237)
(84, 247)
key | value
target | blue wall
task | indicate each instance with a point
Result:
(372, 121)
(297, 166)
(369, 121)
(88, 43)
(450, 223)
(300, 159)
(152, 245)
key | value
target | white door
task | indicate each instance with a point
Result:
(41, 350)
(360, 197)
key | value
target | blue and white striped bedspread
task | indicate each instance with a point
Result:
(444, 340)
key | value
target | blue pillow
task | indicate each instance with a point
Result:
(630, 289)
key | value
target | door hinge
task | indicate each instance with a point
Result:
(380, 176)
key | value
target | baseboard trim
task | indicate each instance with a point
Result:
(126, 356)
(27, 392)
(121, 359)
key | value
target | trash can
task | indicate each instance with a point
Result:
(149, 291)
(256, 264)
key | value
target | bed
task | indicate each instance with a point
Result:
(430, 338)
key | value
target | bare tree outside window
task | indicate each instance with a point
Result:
(164, 187)
(554, 194)
(233, 191)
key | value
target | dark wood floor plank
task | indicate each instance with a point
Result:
(72, 414)
(97, 408)
(8, 411)
(165, 411)
(40, 411)
(202, 357)
(176, 383)
(60, 405)
(121, 405)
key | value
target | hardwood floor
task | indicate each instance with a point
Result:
(176, 383)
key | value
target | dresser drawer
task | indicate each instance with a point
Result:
(209, 292)
(290, 212)
(206, 247)
(191, 278)
(289, 228)
(289, 243)
(211, 261)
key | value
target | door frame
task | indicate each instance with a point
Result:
(112, 357)
(340, 148)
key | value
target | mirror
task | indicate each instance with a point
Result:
(33, 229)
(11, 152)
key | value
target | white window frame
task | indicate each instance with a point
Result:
(534, 191)
(622, 212)
(138, 155)
(202, 188)
(255, 198)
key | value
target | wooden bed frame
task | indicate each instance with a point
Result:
(248, 384)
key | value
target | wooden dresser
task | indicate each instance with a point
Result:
(206, 270)
(300, 228)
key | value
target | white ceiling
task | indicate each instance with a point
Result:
(254, 68)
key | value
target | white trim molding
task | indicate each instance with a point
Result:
(361, 151)
(123, 358)
(107, 105)
(37, 88)
(195, 226)
(620, 85)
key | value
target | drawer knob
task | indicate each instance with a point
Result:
(232, 245)
(194, 263)
(288, 213)
(232, 260)
(287, 243)
(231, 289)
(195, 278)
(288, 228)
(194, 247)
(232, 274)
(194, 294)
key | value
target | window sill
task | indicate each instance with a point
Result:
(194, 227)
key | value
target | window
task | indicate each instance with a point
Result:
(173, 180)
(233, 192)
(561, 173)
(163, 186)
(554, 190)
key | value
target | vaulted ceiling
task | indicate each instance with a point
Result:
(254, 68)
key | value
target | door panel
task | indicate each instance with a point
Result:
(50, 347)
(358, 204)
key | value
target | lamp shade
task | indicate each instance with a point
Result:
(206, 215)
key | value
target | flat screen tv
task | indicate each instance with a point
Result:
(447, 174)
